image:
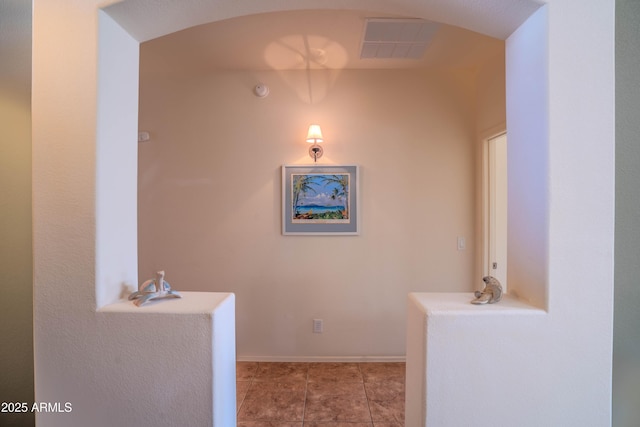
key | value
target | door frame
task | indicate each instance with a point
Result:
(487, 230)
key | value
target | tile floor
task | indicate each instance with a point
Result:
(320, 394)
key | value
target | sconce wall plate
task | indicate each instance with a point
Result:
(315, 151)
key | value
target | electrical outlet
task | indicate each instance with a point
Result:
(318, 326)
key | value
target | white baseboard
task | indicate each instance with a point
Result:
(343, 359)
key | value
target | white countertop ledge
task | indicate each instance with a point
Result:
(459, 304)
(190, 303)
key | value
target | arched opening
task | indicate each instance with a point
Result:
(209, 179)
(583, 324)
(125, 13)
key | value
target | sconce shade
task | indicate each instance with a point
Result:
(315, 134)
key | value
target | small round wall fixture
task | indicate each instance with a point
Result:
(261, 90)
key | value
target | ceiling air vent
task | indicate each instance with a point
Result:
(396, 38)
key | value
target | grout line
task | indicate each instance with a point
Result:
(304, 404)
(365, 394)
(244, 397)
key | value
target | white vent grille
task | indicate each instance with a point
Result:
(396, 38)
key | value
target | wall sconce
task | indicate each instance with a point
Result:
(314, 136)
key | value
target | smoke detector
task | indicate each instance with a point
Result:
(261, 90)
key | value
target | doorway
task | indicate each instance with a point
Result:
(496, 258)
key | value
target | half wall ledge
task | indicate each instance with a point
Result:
(175, 360)
(465, 361)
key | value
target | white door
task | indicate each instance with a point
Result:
(498, 209)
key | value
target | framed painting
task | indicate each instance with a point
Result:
(320, 200)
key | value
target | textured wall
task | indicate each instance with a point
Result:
(626, 351)
(16, 307)
(554, 353)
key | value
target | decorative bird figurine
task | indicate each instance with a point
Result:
(157, 288)
(491, 293)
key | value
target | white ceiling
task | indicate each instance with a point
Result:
(316, 39)
(149, 19)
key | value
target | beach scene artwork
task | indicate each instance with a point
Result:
(320, 198)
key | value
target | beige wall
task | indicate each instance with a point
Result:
(16, 324)
(210, 200)
(491, 111)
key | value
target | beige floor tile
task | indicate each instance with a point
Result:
(275, 371)
(241, 391)
(268, 424)
(245, 371)
(273, 394)
(267, 390)
(385, 390)
(283, 406)
(335, 424)
(337, 408)
(322, 389)
(334, 372)
(387, 410)
(376, 372)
